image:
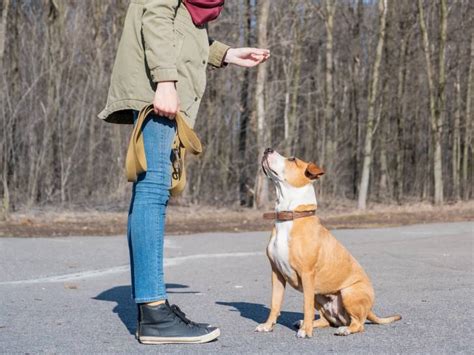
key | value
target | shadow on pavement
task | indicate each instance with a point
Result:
(259, 313)
(126, 309)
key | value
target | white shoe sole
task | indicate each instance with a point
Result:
(181, 340)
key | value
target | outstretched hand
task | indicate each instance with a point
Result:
(246, 57)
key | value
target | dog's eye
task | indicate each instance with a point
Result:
(292, 159)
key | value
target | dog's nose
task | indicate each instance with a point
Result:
(268, 151)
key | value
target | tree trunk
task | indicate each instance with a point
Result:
(456, 156)
(5, 207)
(355, 81)
(437, 99)
(293, 117)
(327, 158)
(367, 162)
(293, 73)
(384, 186)
(401, 111)
(443, 18)
(5, 4)
(263, 131)
(466, 156)
(244, 119)
(286, 115)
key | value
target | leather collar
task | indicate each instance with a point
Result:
(288, 215)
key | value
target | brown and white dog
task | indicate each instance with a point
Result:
(303, 253)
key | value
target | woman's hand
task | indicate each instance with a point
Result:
(166, 101)
(246, 57)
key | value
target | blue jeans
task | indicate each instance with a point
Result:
(146, 217)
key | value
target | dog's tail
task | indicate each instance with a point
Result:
(385, 320)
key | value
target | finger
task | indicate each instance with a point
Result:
(176, 113)
(170, 114)
(265, 58)
(259, 51)
(161, 113)
(257, 57)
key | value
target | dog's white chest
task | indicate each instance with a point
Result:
(278, 248)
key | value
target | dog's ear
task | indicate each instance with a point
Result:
(313, 171)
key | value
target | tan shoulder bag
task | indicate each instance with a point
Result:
(185, 139)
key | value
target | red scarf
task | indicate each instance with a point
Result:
(203, 11)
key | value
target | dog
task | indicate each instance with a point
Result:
(303, 253)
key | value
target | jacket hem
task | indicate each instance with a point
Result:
(120, 111)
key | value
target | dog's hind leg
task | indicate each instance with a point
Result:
(357, 301)
(322, 322)
(317, 323)
(278, 290)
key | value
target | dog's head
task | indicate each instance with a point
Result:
(292, 171)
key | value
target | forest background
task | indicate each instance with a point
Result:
(378, 93)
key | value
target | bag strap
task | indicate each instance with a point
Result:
(187, 136)
(140, 148)
(136, 159)
(135, 162)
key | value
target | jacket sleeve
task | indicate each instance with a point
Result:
(158, 36)
(217, 52)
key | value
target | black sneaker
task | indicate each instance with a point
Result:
(165, 324)
(181, 314)
(176, 310)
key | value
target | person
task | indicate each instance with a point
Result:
(162, 58)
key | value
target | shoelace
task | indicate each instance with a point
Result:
(176, 310)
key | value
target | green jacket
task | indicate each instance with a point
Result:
(160, 43)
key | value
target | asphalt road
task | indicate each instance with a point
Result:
(72, 295)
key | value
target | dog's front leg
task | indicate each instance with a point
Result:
(306, 330)
(278, 290)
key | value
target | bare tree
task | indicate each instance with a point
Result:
(246, 196)
(4, 211)
(329, 114)
(381, 112)
(263, 130)
(405, 33)
(466, 156)
(436, 95)
(456, 158)
(367, 161)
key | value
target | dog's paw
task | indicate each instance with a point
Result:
(302, 334)
(264, 328)
(342, 331)
(298, 324)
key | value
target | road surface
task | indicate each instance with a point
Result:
(72, 295)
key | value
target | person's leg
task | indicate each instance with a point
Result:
(147, 212)
(158, 322)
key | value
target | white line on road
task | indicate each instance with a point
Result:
(119, 269)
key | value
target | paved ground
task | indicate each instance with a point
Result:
(72, 295)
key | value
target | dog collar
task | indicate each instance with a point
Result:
(288, 215)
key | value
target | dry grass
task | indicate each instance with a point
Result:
(197, 219)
